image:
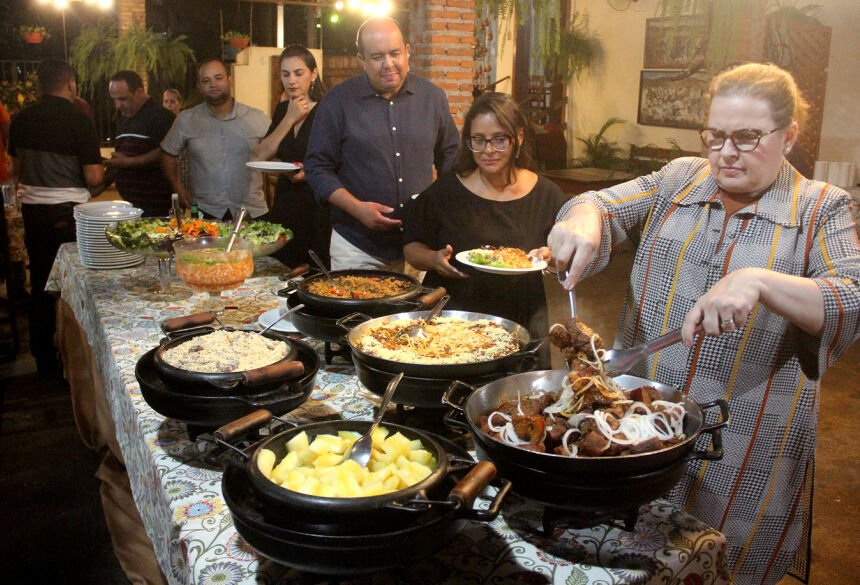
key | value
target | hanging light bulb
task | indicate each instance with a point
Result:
(62, 4)
(105, 4)
(354, 4)
(383, 8)
(338, 5)
(368, 8)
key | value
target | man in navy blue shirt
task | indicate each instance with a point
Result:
(374, 143)
(142, 125)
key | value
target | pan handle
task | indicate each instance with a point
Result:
(715, 453)
(280, 398)
(530, 351)
(277, 371)
(432, 297)
(169, 326)
(490, 514)
(455, 397)
(242, 426)
(297, 271)
(346, 322)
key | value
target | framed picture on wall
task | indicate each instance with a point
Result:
(671, 43)
(672, 98)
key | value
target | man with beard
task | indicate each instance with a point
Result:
(373, 146)
(220, 135)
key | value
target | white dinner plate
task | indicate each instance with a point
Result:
(285, 325)
(464, 258)
(272, 166)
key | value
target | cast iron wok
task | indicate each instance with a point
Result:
(361, 515)
(337, 307)
(528, 347)
(467, 408)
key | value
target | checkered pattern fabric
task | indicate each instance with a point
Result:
(768, 369)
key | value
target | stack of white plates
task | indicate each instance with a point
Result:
(91, 219)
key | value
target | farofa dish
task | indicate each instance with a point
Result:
(501, 257)
(359, 287)
(448, 341)
(222, 352)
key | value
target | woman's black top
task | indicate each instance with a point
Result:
(295, 206)
(448, 213)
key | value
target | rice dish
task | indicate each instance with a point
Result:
(225, 352)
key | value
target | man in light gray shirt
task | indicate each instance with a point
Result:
(220, 136)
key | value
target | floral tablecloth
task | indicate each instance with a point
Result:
(180, 501)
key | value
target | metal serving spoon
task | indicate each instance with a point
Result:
(619, 361)
(321, 266)
(417, 330)
(360, 451)
(281, 318)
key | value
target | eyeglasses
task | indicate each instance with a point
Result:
(744, 140)
(499, 143)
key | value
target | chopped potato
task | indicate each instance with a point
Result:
(316, 467)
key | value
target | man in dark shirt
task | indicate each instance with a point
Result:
(373, 146)
(135, 164)
(56, 164)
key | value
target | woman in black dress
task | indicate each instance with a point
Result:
(294, 206)
(491, 198)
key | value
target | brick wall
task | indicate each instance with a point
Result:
(337, 68)
(130, 11)
(442, 39)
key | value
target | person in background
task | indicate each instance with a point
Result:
(295, 206)
(135, 163)
(769, 264)
(373, 146)
(171, 99)
(57, 164)
(490, 198)
(220, 136)
(5, 122)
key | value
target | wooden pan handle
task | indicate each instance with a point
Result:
(468, 488)
(298, 271)
(431, 298)
(247, 423)
(187, 322)
(279, 371)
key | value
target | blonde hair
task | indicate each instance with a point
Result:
(766, 82)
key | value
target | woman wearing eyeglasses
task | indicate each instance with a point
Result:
(491, 198)
(769, 263)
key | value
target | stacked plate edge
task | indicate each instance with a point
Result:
(91, 219)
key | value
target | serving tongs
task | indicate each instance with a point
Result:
(619, 361)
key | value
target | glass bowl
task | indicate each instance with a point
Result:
(203, 264)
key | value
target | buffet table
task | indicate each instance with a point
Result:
(179, 496)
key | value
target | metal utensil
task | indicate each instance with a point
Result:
(619, 361)
(571, 295)
(174, 202)
(417, 330)
(281, 318)
(235, 230)
(360, 451)
(320, 265)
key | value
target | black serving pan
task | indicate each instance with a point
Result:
(331, 553)
(360, 515)
(181, 330)
(334, 307)
(514, 362)
(212, 408)
(468, 404)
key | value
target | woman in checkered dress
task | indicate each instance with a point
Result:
(769, 263)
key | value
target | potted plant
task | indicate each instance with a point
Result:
(34, 34)
(19, 94)
(236, 39)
